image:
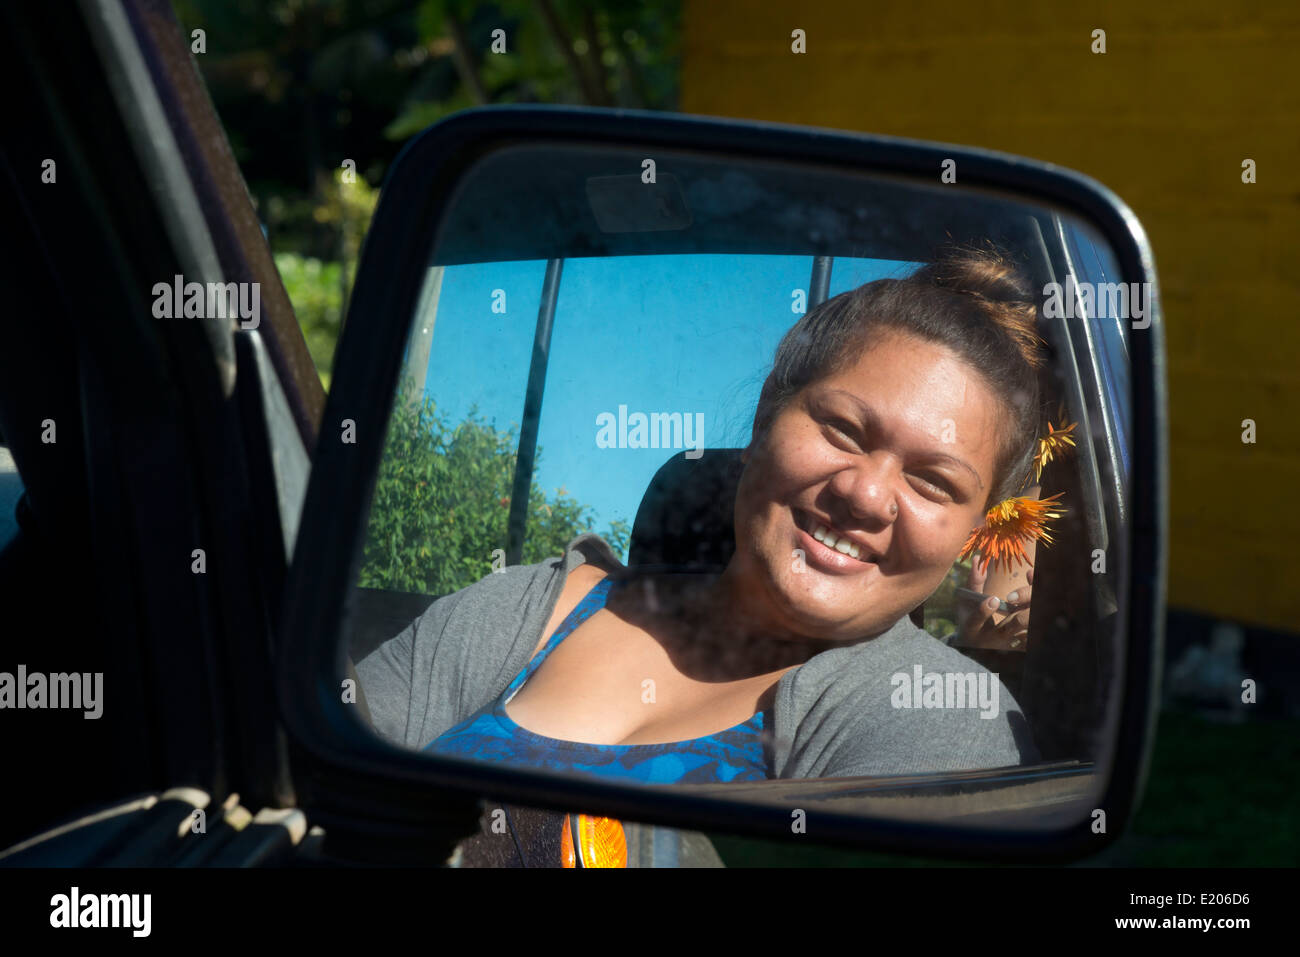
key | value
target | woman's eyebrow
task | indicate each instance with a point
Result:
(872, 420)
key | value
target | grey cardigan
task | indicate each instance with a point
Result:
(842, 713)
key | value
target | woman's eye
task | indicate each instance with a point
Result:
(843, 429)
(934, 487)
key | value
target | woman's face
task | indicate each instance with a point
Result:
(894, 454)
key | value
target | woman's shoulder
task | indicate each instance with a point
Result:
(903, 702)
(466, 644)
(524, 596)
(577, 583)
(864, 669)
(903, 643)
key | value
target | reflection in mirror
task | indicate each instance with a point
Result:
(782, 483)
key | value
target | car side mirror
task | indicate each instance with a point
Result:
(610, 287)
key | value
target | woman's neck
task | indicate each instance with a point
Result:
(708, 617)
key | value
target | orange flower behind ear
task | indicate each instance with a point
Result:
(1054, 444)
(1008, 526)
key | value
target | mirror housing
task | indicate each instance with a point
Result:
(365, 792)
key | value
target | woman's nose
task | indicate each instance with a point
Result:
(867, 489)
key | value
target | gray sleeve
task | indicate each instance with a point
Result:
(853, 712)
(466, 647)
(385, 679)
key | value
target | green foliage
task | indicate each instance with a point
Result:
(941, 608)
(442, 500)
(319, 289)
(623, 53)
(303, 85)
(425, 113)
(345, 203)
(316, 292)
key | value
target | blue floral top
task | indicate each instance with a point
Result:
(489, 734)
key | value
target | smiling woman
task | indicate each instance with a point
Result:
(894, 416)
(895, 413)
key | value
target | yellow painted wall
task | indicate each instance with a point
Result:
(1184, 93)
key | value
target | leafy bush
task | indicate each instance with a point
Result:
(319, 289)
(316, 291)
(942, 610)
(442, 501)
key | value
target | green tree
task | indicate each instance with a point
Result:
(319, 289)
(441, 503)
(622, 53)
(304, 85)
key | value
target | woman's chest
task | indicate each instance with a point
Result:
(610, 682)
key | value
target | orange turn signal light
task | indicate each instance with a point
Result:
(601, 840)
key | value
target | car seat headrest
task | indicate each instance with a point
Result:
(686, 518)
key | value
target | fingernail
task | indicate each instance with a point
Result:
(1014, 596)
(992, 604)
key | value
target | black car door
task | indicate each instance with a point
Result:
(161, 459)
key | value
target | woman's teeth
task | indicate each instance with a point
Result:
(842, 545)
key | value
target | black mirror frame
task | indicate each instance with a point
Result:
(351, 782)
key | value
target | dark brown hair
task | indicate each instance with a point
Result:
(976, 302)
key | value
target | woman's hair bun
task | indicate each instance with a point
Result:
(999, 287)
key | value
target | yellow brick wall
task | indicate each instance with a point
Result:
(1184, 93)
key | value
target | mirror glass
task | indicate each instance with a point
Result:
(703, 469)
